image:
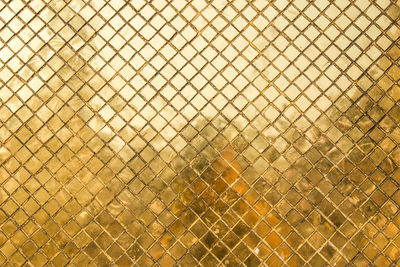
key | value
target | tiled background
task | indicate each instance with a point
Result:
(211, 133)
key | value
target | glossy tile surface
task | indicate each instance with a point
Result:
(199, 133)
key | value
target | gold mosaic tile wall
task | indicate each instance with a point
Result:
(199, 133)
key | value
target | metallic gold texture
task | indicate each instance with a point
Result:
(199, 133)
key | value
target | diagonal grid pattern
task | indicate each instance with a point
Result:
(199, 133)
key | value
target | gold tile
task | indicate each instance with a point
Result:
(199, 133)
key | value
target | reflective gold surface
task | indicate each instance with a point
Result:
(199, 133)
